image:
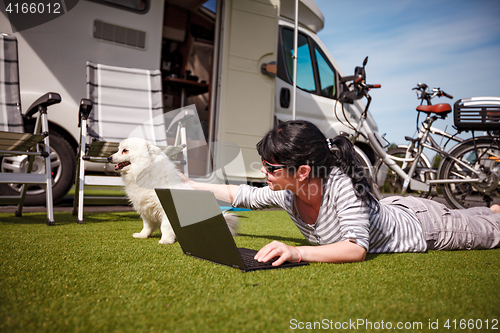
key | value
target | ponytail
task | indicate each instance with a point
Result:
(350, 163)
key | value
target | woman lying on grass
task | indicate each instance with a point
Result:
(320, 184)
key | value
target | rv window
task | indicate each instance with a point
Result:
(140, 6)
(311, 66)
(326, 74)
(305, 71)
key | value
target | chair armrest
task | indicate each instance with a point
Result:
(44, 101)
(86, 106)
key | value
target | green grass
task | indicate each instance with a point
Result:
(103, 191)
(96, 278)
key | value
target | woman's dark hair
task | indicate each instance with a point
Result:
(300, 142)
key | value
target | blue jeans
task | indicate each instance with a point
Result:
(453, 229)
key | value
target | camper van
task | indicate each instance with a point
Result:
(237, 55)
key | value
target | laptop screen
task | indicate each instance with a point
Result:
(193, 207)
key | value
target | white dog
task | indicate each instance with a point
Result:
(144, 167)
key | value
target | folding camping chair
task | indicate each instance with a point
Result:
(122, 103)
(13, 140)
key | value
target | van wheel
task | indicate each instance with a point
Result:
(63, 164)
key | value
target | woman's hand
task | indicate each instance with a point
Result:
(185, 179)
(278, 249)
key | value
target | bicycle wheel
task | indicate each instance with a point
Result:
(484, 189)
(368, 172)
(390, 183)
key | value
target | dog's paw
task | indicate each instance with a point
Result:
(139, 235)
(167, 240)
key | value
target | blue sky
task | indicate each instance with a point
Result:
(451, 44)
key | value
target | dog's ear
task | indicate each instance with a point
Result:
(153, 150)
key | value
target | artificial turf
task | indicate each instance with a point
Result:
(96, 278)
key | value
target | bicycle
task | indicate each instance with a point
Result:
(468, 174)
(405, 154)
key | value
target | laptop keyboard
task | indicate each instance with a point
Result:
(249, 261)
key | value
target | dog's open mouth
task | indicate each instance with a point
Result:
(121, 165)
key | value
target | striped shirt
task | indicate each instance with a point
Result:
(343, 216)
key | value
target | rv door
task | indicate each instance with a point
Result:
(245, 96)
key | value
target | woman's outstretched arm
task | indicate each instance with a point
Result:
(341, 252)
(221, 191)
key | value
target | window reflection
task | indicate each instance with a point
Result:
(305, 72)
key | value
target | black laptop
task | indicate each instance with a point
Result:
(203, 233)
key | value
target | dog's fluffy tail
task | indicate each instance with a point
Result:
(232, 221)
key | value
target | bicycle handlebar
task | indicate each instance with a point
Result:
(447, 95)
(421, 90)
(358, 88)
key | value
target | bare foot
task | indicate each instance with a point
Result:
(495, 209)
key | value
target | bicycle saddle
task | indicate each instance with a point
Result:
(441, 109)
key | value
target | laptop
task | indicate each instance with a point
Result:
(203, 233)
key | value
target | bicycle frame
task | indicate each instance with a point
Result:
(425, 141)
(430, 143)
(379, 149)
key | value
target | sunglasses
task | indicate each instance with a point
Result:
(273, 167)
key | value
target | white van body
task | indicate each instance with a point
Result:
(243, 102)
